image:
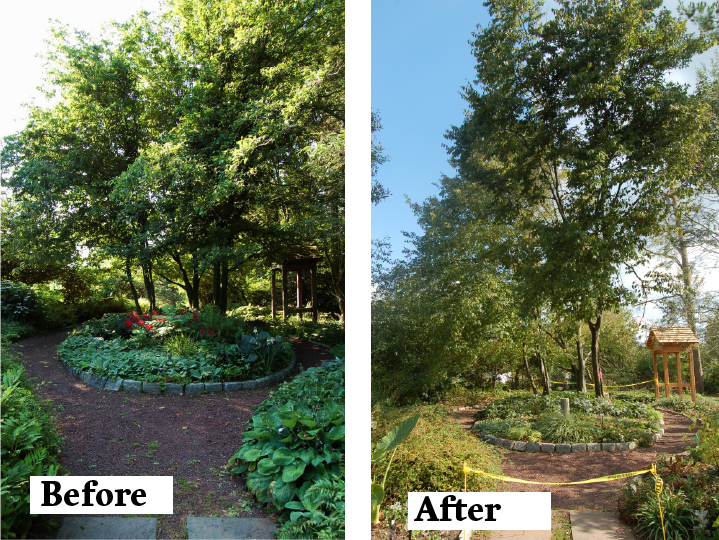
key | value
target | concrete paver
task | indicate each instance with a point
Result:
(101, 528)
(523, 535)
(588, 525)
(230, 528)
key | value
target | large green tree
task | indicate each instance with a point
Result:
(573, 122)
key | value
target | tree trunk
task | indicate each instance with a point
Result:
(132, 286)
(149, 284)
(594, 328)
(581, 363)
(216, 284)
(529, 372)
(223, 287)
(688, 296)
(543, 373)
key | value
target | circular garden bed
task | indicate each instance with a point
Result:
(535, 424)
(185, 352)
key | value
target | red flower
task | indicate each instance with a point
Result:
(128, 324)
(202, 329)
(154, 313)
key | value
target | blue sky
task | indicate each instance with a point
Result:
(420, 59)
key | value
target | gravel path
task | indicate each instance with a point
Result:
(188, 437)
(583, 466)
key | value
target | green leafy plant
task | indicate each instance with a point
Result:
(678, 519)
(263, 347)
(293, 452)
(388, 444)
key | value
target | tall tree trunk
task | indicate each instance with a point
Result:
(128, 270)
(223, 286)
(688, 296)
(149, 284)
(581, 363)
(594, 328)
(526, 366)
(543, 373)
(195, 300)
(216, 284)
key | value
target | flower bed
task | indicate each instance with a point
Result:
(157, 352)
(534, 423)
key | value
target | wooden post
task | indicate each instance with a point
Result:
(313, 288)
(284, 294)
(274, 294)
(299, 292)
(692, 381)
(656, 376)
(666, 374)
(679, 375)
(564, 405)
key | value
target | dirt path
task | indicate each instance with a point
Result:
(583, 466)
(188, 437)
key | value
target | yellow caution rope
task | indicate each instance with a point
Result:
(658, 482)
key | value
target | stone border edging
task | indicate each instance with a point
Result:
(137, 387)
(697, 421)
(550, 448)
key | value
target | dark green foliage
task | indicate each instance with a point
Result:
(690, 501)
(30, 445)
(567, 429)
(432, 456)
(19, 302)
(293, 452)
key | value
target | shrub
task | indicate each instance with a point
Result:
(29, 446)
(567, 428)
(678, 519)
(18, 302)
(431, 458)
(293, 453)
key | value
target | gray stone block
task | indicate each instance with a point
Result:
(594, 447)
(579, 447)
(114, 386)
(173, 389)
(533, 447)
(234, 386)
(491, 440)
(97, 382)
(563, 448)
(609, 446)
(151, 388)
(622, 446)
(547, 447)
(250, 385)
(213, 387)
(633, 445)
(661, 432)
(656, 437)
(82, 527)
(133, 387)
(194, 388)
(504, 443)
(225, 528)
(520, 446)
(85, 377)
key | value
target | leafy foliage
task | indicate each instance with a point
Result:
(293, 452)
(431, 458)
(30, 444)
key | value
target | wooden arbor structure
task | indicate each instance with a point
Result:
(673, 340)
(295, 265)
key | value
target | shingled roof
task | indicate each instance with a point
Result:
(665, 335)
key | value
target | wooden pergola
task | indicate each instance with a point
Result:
(295, 265)
(673, 340)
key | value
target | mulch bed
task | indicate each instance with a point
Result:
(190, 438)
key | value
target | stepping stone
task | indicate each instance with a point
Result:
(588, 525)
(226, 528)
(523, 535)
(109, 527)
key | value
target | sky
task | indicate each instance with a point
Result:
(24, 25)
(420, 60)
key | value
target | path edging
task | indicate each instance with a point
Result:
(137, 387)
(551, 448)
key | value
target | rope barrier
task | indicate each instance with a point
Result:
(658, 482)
